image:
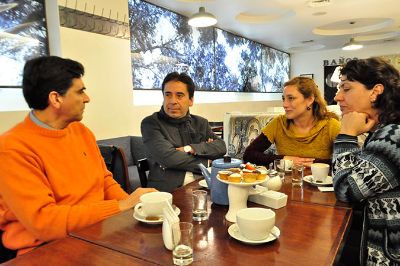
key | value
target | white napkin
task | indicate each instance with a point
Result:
(170, 218)
(325, 189)
(273, 194)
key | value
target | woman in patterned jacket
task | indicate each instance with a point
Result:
(369, 98)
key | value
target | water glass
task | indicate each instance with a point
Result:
(297, 175)
(182, 237)
(279, 166)
(199, 210)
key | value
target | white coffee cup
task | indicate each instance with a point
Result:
(153, 203)
(288, 165)
(255, 223)
(319, 171)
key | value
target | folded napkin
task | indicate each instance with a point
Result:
(325, 189)
(170, 218)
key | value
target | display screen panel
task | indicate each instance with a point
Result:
(23, 36)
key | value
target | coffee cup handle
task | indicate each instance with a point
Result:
(138, 206)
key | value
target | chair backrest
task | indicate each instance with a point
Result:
(143, 167)
(140, 158)
(114, 158)
(5, 253)
(138, 149)
(121, 142)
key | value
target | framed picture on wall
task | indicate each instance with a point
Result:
(311, 76)
(329, 85)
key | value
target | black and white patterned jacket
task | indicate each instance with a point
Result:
(371, 175)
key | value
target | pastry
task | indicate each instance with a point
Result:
(262, 174)
(234, 170)
(249, 176)
(235, 178)
(224, 174)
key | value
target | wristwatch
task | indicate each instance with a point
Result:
(187, 148)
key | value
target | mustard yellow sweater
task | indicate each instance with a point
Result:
(52, 182)
(318, 143)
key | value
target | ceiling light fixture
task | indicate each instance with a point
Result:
(202, 19)
(352, 45)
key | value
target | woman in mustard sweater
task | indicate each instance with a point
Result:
(53, 179)
(304, 134)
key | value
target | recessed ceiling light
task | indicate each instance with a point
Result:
(254, 17)
(353, 26)
(302, 48)
(377, 36)
(319, 13)
(318, 3)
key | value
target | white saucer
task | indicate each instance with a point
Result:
(234, 232)
(309, 179)
(139, 215)
(203, 183)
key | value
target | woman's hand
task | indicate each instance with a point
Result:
(133, 198)
(354, 123)
(300, 160)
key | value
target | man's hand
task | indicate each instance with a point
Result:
(133, 198)
(354, 123)
(191, 150)
(187, 149)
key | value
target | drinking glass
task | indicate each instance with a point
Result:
(182, 237)
(199, 211)
(297, 175)
(279, 166)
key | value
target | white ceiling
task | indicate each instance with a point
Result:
(294, 26)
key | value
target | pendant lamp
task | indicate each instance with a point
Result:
(202, 19)
(352, 45)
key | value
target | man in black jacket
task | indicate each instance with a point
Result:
(176, 140)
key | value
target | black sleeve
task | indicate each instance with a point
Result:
(254, 153)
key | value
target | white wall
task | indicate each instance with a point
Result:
(112, 111)
(312, 62)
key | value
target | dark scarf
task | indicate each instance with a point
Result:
(184, 124)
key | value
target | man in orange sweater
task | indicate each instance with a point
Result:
(53, 179)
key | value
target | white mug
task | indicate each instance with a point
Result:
(319, 171)
(255, 223)
(288, 165)
(153, 203)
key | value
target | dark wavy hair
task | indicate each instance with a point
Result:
(45, 74)
(182, 77)
(308, 88)
(374, 71)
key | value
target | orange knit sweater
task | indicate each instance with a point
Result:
(52, 182)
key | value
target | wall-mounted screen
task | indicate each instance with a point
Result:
(238, 63)
(217, 60)
(162, 42)
(23, 36)
(275, 69)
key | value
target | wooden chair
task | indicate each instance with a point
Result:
(140, 158)
(114, 158)
(143, 167)
(5, 253)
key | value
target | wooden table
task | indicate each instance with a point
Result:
(72, 251)
(310, 194)
(311, 234)
(312, 230)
